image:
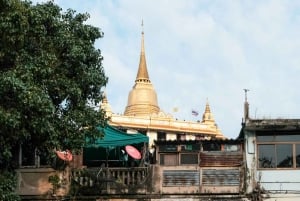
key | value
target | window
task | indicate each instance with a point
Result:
(190, 147)
(161, 136)
(278, 151)
(298, 155)
(231, 147)
(266, 156)
(168, 159)
(284, 155)
(275, 156)
(186, 159)
(211, 147)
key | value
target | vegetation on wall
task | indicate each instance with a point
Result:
(7, 186)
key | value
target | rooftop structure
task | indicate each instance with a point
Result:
(144, 115)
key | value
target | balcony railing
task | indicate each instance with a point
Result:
(107, 179)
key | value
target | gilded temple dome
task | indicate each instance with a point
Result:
(142, 99)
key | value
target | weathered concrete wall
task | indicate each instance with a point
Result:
(34, 181)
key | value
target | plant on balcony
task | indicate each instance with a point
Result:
(55, 181)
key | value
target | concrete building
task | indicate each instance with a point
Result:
(272, 157)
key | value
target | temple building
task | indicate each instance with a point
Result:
(143, 114)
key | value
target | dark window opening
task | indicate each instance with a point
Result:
(186, 159)
(32, 156)
(180, 137)
(211, 147)
(142, 132)
(161, 136)
(28, 155)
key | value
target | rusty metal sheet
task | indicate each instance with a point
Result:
(181, 178)
(226, 159)
(221, 177)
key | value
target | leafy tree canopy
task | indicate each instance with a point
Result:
(50, 76)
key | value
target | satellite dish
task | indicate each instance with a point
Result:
(133, 152)
(65, 155)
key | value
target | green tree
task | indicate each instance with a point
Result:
(7, 187)
(51, 77)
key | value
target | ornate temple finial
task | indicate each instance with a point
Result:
(142, 75)
(142, 26)
(207, 107)
(208, 117)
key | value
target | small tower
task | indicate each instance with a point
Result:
(105, 106)
(208, 117)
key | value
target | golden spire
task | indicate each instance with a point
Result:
(142, 99)
(142, 75)
(208, 116)
(207, 107)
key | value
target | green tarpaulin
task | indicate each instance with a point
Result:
(114, 137)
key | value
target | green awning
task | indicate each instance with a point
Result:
(114, 137)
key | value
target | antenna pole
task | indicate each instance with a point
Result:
(246, 90)
(246, 106)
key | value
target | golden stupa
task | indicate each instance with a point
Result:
(142, 99)
(142, 113)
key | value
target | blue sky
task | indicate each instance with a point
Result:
(199, 50)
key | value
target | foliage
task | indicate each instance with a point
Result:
(54, 180)
(51, 77)
(7, 187)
